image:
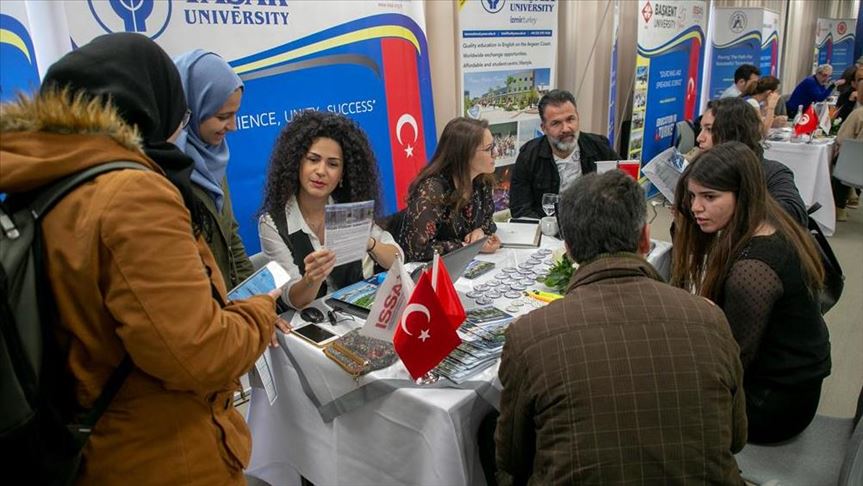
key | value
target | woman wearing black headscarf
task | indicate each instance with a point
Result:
(128, 272)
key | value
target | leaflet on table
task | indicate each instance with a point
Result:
(347, 229)
(362, 293)
(664, 171)
(261, 376)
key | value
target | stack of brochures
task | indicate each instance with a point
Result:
(482, 335)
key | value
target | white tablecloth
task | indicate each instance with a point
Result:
(382, 429)
(811, 166)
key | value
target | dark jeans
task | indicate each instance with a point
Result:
(777, 414)
(840, 192)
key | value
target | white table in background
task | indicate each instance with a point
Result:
(383, 429)
(811, 166)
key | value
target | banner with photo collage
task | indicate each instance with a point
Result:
(366, 60)
(18, 66)
(834, 43)
(507, 58)
(735, 40)
(668, 72)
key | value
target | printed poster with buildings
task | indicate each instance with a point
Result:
(507, 52)
(668, 72)
(367, 60)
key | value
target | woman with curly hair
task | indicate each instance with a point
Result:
(450, 202)
(319, 158)
(736, 246)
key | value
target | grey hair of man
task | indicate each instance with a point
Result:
(823, 68)
(602, 213)
(555, 97)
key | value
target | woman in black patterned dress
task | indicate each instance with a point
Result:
(450, 202)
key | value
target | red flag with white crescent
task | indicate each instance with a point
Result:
(404, 114)
(424, 336)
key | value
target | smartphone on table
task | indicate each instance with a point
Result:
(315, 334)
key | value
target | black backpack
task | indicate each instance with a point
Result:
(42, 430)
(834, 278)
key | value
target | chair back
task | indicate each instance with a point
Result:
(395, 225)
(781, 109)
(685, 136)
(849, 166)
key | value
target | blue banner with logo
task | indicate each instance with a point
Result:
(736, 41)
(19, 72)
(366, 60)
(834, 43)
(843, 44)
(668, 73)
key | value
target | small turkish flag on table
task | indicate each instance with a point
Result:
(425, 336)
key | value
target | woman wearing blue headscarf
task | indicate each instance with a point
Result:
(213, 93)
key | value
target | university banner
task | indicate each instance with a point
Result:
(507, 58)
(366, 60)
(668, 72)
(19, 71)
(769, 64)
(612, 74)
(834, 43)
(735, 40)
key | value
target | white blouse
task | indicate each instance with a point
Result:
(274, 248)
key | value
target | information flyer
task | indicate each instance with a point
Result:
(367, 60)
(736, 40)
(668, 72)
(507, 57)
(18, 67)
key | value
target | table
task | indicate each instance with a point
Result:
(383, 429)
(811, 166)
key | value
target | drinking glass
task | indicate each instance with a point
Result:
(549, 203)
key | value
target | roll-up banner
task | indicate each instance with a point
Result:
(834, 43)
(769, 64)
(612, 74)
(19, 72)
(736, 40)
(507, 57)
(366, 60)
(668, 72)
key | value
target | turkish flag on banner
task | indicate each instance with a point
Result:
(446, 293)
(404, 113)
(424, 337)
(807, 123)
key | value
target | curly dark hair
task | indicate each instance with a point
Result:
(360, 180)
